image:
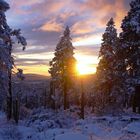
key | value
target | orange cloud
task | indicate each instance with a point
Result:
(48, 7)
(105, 9)
(66, 14)
(52, 25)
(83, 27)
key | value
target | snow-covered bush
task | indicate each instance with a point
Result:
(10, 133)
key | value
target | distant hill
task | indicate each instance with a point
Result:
(88, 79)
(33, 77)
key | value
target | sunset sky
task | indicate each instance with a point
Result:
(43, 21)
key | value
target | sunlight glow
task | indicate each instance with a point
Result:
(86, 64)
(84, 69)
(88, 41)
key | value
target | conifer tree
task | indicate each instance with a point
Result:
(62, 66)
(106, 72)
(6, 59)
(130, 41)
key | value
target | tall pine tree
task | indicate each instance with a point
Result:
(130, 41)
(6, 59)
(106, 70)
(62, 66)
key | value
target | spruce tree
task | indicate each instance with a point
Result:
(62, 66)
(6, 59)
(106, 71)
(130, 41)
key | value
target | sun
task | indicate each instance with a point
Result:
(86, 64)
(84, 69)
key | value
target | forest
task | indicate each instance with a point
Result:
(68, 105)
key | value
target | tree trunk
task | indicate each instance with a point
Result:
(65, 94)
(82, 100)
(45, 97)
(52, 93)
(16, 110)
(66, 100)
(139, 109)
(9, 97)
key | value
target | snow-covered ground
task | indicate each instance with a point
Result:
(65, 125)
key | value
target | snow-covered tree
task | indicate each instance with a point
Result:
(6, 59)
(130, 40)
(62, 66)
(130, 43)
(3, 73)
(106, 70)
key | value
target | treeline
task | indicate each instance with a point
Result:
(118, 71)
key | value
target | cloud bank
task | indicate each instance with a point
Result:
(43, 21)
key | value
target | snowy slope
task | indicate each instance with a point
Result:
(45, 125)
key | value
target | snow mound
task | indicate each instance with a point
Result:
(72, 136)
(133, 127)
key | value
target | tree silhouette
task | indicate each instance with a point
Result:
(62, 66)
